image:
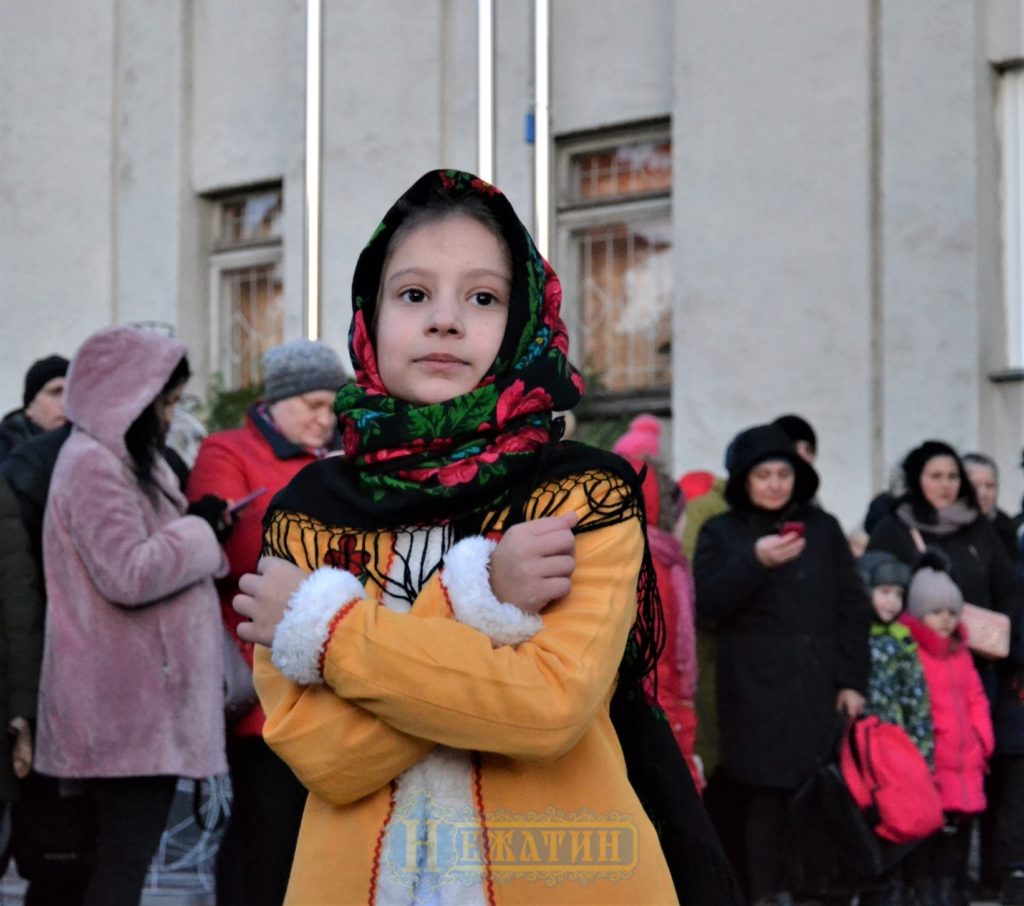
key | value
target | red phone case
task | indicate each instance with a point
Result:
(792, 528)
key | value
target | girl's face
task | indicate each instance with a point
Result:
(307, 419)
(165, 404)
(442, 309)
(940, 481)
(985, 486)
(942, 622)
(770, 484)
(887, 601)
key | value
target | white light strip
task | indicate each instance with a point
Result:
(541, 126)
(311, 223)
(485, 90)
(1011, 96)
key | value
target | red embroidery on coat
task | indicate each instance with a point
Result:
(387, 570)
(375, 870)
(335, 620)
(478, 796)
(447, 598)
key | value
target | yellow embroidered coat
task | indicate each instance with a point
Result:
(444, 764)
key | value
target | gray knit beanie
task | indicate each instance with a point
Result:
(932, 590)
(300, 366)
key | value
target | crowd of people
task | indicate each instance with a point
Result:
(447, 614)
(800, 623)
(139, 556)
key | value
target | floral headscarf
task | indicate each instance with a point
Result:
(485, 438)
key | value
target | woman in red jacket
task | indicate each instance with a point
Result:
(937, 868)
(290, 427)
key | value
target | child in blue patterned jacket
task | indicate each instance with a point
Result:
(897, 692)
(896, 688)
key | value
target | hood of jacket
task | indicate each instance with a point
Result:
(113, 377)
(756, 445)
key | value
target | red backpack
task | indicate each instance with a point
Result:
(890, 781)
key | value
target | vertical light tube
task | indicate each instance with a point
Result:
(542, 126)
(311, 221)
(1011, 113)
(485, 90)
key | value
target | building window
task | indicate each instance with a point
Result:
(245, 283)
(615, 254)
(1011, 122)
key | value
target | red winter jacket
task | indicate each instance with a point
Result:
(960, 710)
(230, 464)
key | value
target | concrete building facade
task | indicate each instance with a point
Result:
(825, 217)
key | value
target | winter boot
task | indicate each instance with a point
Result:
(949, 893)
(890, 893)
(926, 892)
(1012, 893)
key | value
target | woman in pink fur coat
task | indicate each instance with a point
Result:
(131, 690)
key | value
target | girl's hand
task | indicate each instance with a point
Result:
(263, 597)
(534, 561)
(21, 754)
(850, 701)
(774, 550)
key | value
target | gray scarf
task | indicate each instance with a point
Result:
(948, 519)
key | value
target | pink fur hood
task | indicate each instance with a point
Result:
(116, 374)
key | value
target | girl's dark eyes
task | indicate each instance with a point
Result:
(483, 299)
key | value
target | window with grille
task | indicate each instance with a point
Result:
(246, 286)
(615, 256)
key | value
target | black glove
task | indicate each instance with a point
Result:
(213, 509)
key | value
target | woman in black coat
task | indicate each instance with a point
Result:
(792, 637)
(941, 507)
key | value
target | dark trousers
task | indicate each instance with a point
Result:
(765, 833)
(1008, 805)
(255, 856)
(725, 800)
(942, 855)
(53, 834)
(131, 813)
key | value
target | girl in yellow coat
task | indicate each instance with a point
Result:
(441, 681)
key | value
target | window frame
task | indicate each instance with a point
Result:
(573, 215)
(222, 257)
(220, 332)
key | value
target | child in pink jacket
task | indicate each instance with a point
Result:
(964, 740)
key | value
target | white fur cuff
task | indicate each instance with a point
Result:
(467, 577)
(302, 634)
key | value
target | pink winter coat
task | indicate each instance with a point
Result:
(132, 671)
(960, 710)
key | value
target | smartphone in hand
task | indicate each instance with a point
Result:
(792, 528)
(243, 502)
